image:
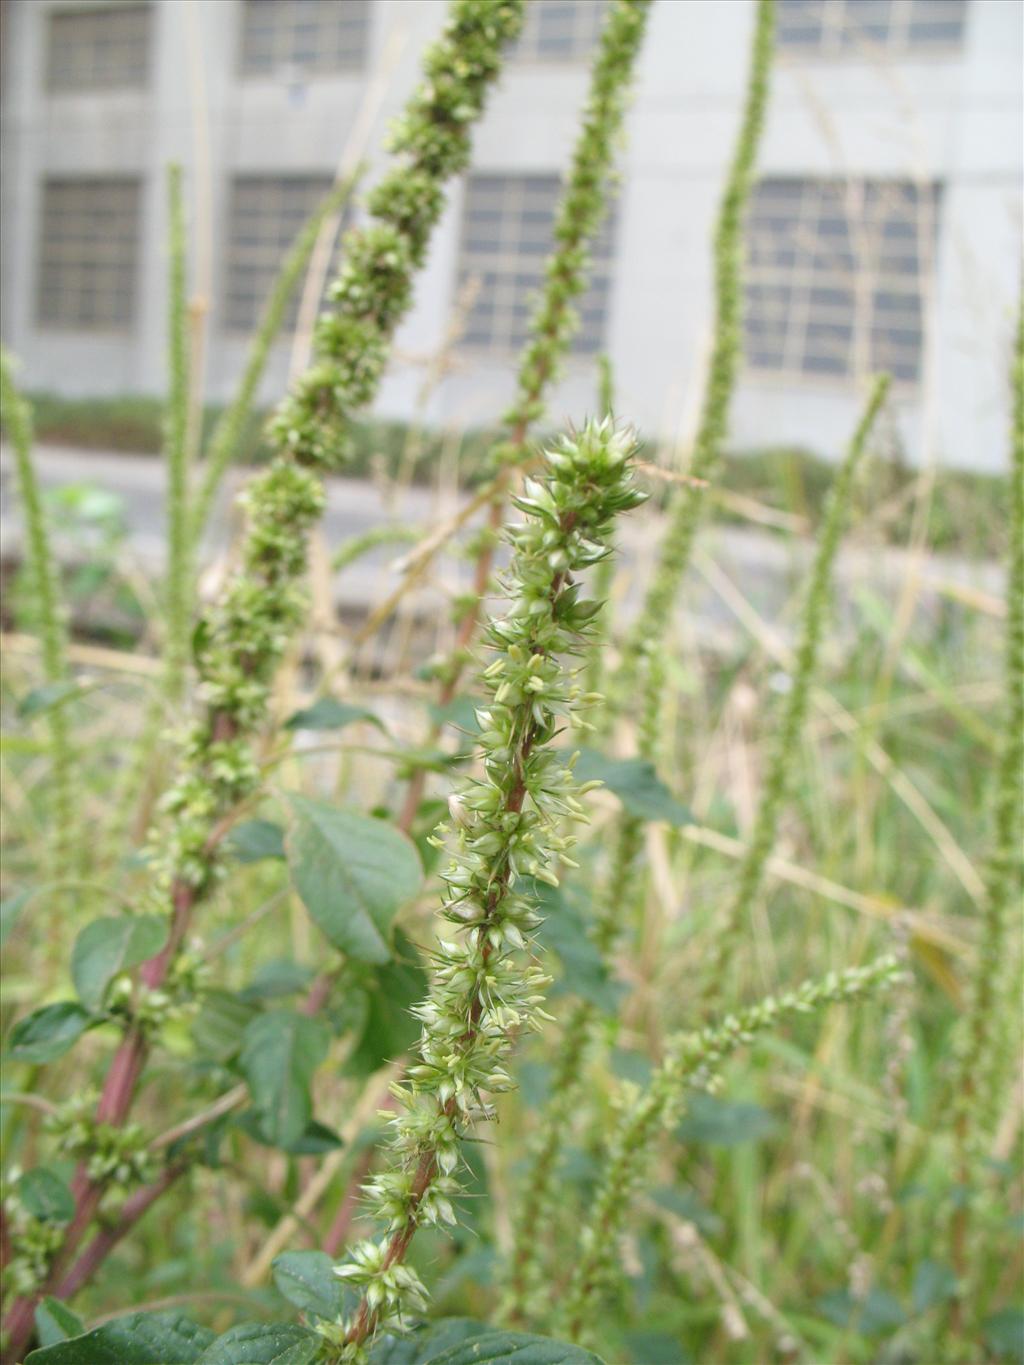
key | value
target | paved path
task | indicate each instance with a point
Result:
(764, 566)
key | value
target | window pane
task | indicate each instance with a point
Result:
(101, 49)
(831, 264)
(265, 215)
(507, 231)
(88, 253)
(559, 30)
(316, 36)
(830, 27)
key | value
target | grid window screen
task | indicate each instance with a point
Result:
(840, 27)
(559, 30)
(99, 49)
(507, 233)
(316, 36)
(835, 277)
(88, 254)
(265, 215)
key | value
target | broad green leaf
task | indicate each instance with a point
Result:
(315, 1139)
(564, 931)
(253, 840)
(1004, 1333)
(874, 1315)
(657, 1348)
(329, 714)
(136, 1339)
(353, 873)
(459, 713)
(47, 697)
(107, 947)
(459, 1341)
(934, 1283)
(637, 785)
(48, 1033)
(388, 1028)
(46, 1195)
(260, 1343)
(274, 979)
(307, 1279)
(10, 910)
(687, 1204)
(725, 1123)
(220, 1025)
(280, 1052)
(56, 1322)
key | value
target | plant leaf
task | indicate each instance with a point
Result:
(253, 840)
(388, 1028)
(47, 697)
(261, 1343)
(136, 1339)
(637, 785)
(56, 1322)
(459, 1341)
(281, 976)
(725, 1123)
(46, 1195)
(10, 910)
(49, 1032)
(353, 873)
(280, 1052)
(877, 1313)
(329, 714)
(564, 931)
(107, 947)
(315, 1139)
(934, 1283)
(307, 1279)
(1004, 1333)
(220, 1025)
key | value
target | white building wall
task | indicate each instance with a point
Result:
(955, 119)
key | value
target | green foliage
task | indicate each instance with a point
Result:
(637, 785)
(663, 1191)
(107, 947)
(353, 873)
(47, 1033)
(43, 577)
(280, 1052)
(794, 713)
(137, 1339)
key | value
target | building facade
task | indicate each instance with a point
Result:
(885, 231)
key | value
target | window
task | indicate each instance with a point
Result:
(559, 30)
(835, 276)
(265, 215)
(507, 233)
(99, 49)
(316, 36)
(88, 253)
(840, 27)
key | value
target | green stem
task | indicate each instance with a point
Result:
(179, 545)
(52, 621)
(787, 734)
(692, 1061)
(225, 443)
(686, 507)
(984, 1041)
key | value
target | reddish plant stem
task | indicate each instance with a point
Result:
(135, 1208)
(115, 1102)
(426, 1172)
